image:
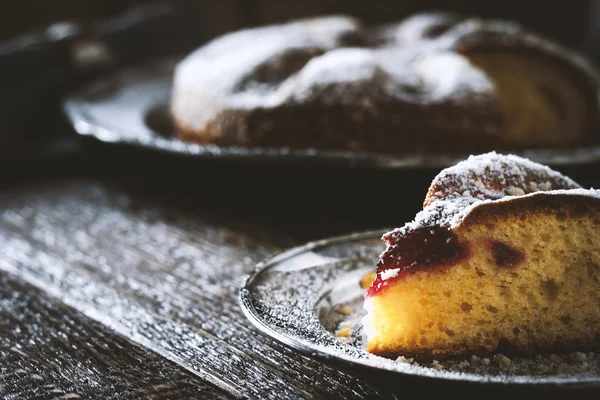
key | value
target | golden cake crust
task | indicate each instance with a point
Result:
(553, 206)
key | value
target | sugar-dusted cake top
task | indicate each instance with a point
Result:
(492, 176)
(431, 83)
(244, 66)
(324, 61)
(475, 191)
(482, 179)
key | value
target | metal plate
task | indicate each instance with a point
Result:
(132, 108)
(303, 296)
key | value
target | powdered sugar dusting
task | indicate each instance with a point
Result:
(320, 310)
(494, 176)
(484, 179)
(205, 80)
(421, 26)
(403, 74)
(439, 213)
(418, 63)
(389, 273)
(313, 61)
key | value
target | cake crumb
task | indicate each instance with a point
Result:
(577, 356)
(502, 360)
(436, 365)
(344, 329)
(343, 332)
(346, 310)
(485, 361)
(542, 369)
(515, 191)
(475, 360)
(346, 324)
(554, 358)
(405, 360)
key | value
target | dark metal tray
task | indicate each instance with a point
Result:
(303, 296)
(132, 108)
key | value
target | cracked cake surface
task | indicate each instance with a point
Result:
(435, 82)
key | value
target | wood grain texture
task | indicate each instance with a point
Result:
(48, 350)
(166, 281)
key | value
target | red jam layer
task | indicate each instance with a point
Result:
(419, 249)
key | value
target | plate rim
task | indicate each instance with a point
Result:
(245, 299)
(75, 103)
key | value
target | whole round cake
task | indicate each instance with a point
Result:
(504, 256)
(435, 82)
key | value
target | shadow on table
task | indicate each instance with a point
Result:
(304, 202)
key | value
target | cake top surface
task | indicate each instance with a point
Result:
(410, 74)
(325, 60)
(418, 27)
(337, 60)
(493, 176)
(219, 70)
(485, 179)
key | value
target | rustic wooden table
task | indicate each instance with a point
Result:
(120, 272)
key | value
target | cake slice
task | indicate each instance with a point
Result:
(505, 256)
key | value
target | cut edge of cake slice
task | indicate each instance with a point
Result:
(482, 269)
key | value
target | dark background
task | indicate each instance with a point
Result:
(307, 203)
(569, 21)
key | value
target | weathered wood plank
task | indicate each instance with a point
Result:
(163, 280)
(48, 350)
